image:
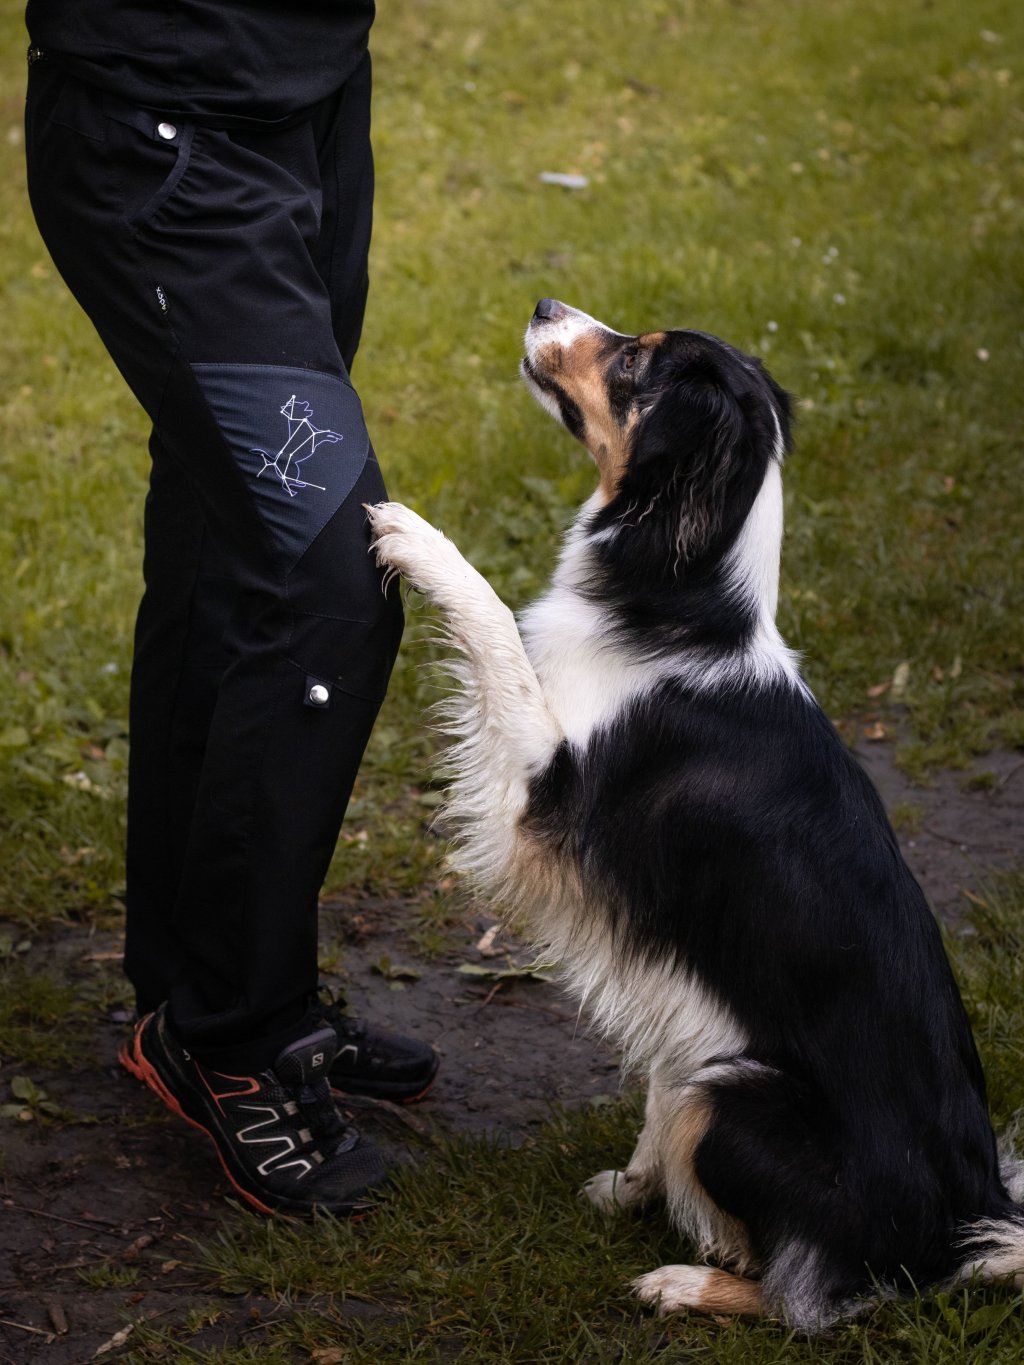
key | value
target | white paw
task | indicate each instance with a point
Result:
(608, 1191)
(672, 1287)
(403, 541)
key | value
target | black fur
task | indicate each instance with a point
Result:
(735, 835)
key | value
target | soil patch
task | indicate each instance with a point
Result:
(98, 1214)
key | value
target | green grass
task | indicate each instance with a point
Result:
(486, 1254)
(835, 184)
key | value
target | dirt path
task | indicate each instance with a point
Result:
(96, 1218)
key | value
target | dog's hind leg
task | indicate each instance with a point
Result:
(701, 1288)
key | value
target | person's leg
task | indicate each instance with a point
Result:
(195, 261)
(180, 656)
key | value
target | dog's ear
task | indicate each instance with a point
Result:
(686, 446)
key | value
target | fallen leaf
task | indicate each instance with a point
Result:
(541, 972)
(485, 946)
(394, 971)
(138, 1245)
(879, 689)
(118, 1339)
(876, 731)
(900, 678)
(329, 1355)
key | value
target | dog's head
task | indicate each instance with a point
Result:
(680, 424)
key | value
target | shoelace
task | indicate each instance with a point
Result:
(317, 1107)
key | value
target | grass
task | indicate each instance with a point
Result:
(486, 1254)
(836, 185)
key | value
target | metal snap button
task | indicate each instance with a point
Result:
(319, 695)
(167, 130)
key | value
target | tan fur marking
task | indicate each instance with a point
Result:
(681, 1137)
(725, 1293)
(579, 372)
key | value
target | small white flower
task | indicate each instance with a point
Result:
(838, 298)
(981, 353)
(796, 241)
(772, 326)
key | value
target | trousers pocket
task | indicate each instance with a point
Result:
(155, 155)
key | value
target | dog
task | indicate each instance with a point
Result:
(641, 774)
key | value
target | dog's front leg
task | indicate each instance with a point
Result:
(643, 1180)
(504, 730)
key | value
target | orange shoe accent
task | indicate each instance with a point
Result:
(138, 1066)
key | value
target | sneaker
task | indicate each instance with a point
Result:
(278, 1134)
(384, 1066)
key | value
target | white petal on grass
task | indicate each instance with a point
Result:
(568, 182)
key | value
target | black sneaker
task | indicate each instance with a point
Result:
(385, 1066)
(279, 1136)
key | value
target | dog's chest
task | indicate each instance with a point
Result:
(586, 678)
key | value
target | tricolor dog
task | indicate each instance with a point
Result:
(640, 772)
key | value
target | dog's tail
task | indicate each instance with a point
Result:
(994, 1249)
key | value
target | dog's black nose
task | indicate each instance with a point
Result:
(548, 309)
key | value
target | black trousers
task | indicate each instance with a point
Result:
(225, 272)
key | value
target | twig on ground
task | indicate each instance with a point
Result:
(489, 996)
(96, 1226)
(24, 1327)
(1011, 772)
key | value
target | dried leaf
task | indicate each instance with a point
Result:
(541, 972)
(117, 1340)
(485, 946)
(394, 971)
(876, 731)
(900, 679)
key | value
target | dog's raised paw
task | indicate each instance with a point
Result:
(402, 540)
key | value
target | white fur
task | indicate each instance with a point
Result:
(564, 330)
(588, 679)
(1003, 1255)
(752, 571)
(672, 1287)
(504, 729)
(649, 1009)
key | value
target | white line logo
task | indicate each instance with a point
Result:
(303, 439)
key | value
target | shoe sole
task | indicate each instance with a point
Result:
(137, 1064)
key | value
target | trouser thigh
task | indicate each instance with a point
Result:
(195, 261)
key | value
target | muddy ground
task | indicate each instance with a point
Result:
(86, 1207)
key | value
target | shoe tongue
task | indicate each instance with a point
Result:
(307, 1060)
